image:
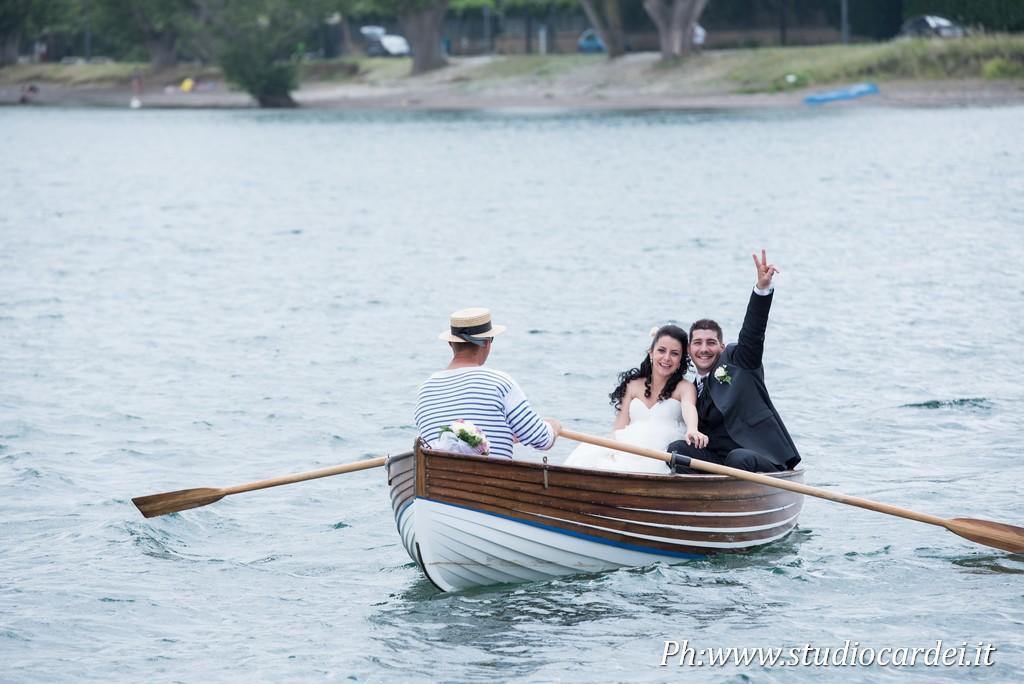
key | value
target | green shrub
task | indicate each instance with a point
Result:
(269, 80)
(999, 67)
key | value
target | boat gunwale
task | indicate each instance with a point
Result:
(643, 477)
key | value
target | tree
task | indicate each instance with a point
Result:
(159, 25)
(25, 19)
(14, 16)
(340, 12)
(607, 22)
(420, 21)
(675, 21)
(257, 42)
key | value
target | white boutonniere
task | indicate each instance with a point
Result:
(722, 375)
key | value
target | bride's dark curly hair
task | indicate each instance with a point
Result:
(645, 370)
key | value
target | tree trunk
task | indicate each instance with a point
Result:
(346, 37)
(660, 14)
(680, 40)
(675, 20)
(9, 45)
(607, 27)
(161, 43)
(687, 20)
(422, 27)
(616, 36)
(276, 101)
(163, 50)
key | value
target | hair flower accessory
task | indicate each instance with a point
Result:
(654, 330)
(722, 374)
(465, 438)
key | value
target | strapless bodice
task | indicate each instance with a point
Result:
(669, 410)
(650, 428)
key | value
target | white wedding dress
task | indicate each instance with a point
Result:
(650, 428)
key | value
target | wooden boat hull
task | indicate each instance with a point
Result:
(469, 521)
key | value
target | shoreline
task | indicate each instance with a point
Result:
(634, 82)
(913, 94)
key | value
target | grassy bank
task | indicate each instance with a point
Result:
(743, 71)
(531, 66)
(766, 69)
(109, 74)
(353, 68)
(120, 73)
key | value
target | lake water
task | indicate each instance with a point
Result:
(207, 298)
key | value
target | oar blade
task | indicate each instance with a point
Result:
(994, 534)
(154, 505)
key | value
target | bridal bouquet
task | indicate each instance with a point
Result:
(464, 438)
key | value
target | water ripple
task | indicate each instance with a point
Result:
(971, 403)
(173, 319)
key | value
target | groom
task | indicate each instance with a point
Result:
(744, 430)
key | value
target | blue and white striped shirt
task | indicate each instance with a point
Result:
(489, 399)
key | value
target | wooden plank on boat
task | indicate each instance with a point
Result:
(563, 499)
(662, 544)
(771, 498)
(712, 487)
(555, 516)
(401, 480)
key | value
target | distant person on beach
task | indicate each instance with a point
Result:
(137, 89)
(744, 430)
(654, 405)
(489, 400)
(28, 92)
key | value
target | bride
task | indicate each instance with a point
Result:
(653, 406)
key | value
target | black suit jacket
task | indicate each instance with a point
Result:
(747, 411)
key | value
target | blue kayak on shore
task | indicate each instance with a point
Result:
(848, 93)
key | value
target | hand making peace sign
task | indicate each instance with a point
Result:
(765, 271)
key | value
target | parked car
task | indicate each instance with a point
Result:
(931, 26)
(589, 41)
(379, 43)
(699, 34)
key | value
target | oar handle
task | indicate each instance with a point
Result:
(760, 478)
(302, 477)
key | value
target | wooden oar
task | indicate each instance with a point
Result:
(994, 534)
(184, 499)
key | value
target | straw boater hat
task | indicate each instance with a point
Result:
(471, 325)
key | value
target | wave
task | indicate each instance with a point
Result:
(969, 403)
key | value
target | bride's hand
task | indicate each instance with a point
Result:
(696, 438)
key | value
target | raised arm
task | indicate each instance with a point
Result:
(750, 348)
